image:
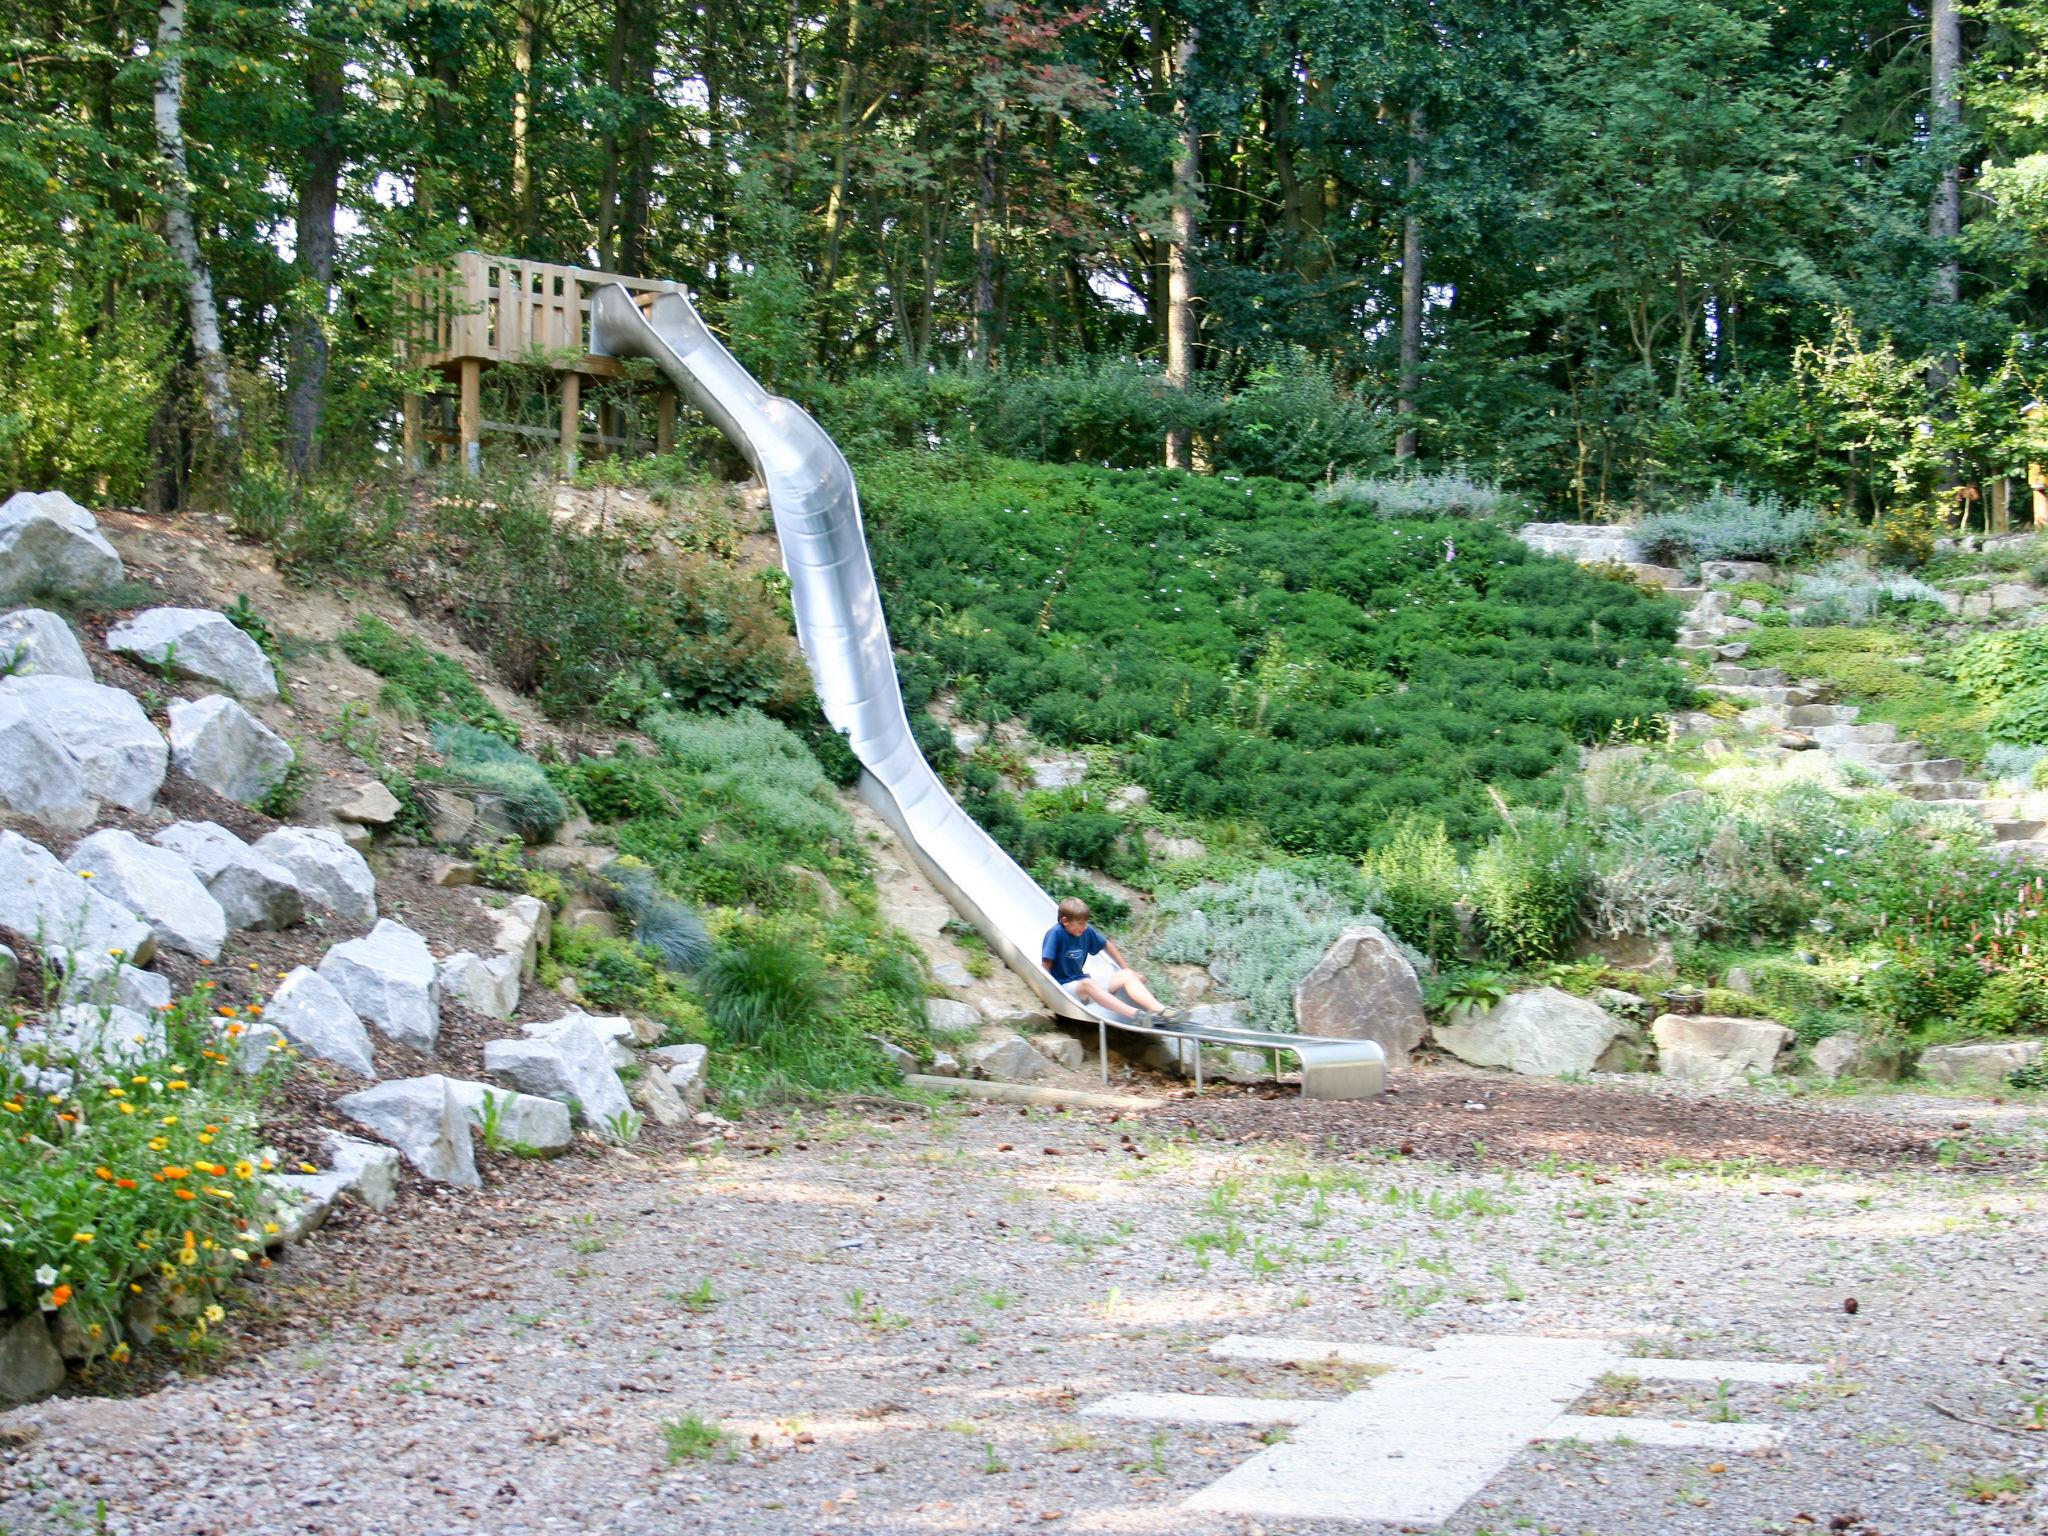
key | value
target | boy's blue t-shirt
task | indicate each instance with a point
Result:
(1069, 952)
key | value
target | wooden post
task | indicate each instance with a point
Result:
(665, 422)
(2037, 482)
(410, 448)
(2000, 514)
(472, 421)
(572, 421)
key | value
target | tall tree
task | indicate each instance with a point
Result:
(1180, 250)
(202, 313)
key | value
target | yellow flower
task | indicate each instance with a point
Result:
(86, 874)
(205, 1140)
(307, 1168)
(215, 1312)
(11, 1107)
(117, 1093)
(176, 1084)
(81, 1237)
(271, 1229)
(125, 1107)
(245, 1170)
(119, 1354)
(159, 1143)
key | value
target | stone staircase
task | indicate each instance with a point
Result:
(1798, 710)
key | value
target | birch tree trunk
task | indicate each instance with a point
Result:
(1945, 208)
(1180, 281)
(318, 193)
(1411, 291)
(202, 313)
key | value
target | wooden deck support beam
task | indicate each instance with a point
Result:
(472, 420)
(665, 422)
(572, 420)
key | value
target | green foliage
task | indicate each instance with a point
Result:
(504, 866)
(126, 1165)
(1142, 609)
(1450, 493)
(423, 684)
(1261, 934)
(660, 922)
(629, 976)
(1862, 664)
(1419, 882)
(1731, 525)
(770, 992)
(2009, 671)
(488, 769)
(243, 615)
(1292, 418)
(1528, 886)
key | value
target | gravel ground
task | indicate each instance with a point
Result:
(892, 1318)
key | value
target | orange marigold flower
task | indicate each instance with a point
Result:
(126, 1184)
(59, 1296)
(173, 1171)
(184, 1194)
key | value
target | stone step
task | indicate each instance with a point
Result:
(1874, 734)
(1767, 717)
(1934, 770)
(1742, 694)
(1734, 651)
(2018, 831)
(1686, 595)
(2028, 807)
(1895, 755)
(1807, 716)
(1753, 677)
(1955, 789)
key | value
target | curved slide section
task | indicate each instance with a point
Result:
(845, 640)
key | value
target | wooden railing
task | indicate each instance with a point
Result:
(499, 308)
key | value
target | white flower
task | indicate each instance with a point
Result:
(46, 1276)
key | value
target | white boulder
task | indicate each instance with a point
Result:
(1008, 1058)
(199, 643)
(312, 1013)
(87, 976)
(120, 755)
(38, 775)
(685, 1066)
(655, 1097)
(612, 1030)
(1061, 1050)
(370, 1171)
(48, 543)
(37, 643)
(946, 1015)
(300, 1203)
(369, 804)
(43, 902)
(573, 1066)
(330, 874)
(1983, 1063)
(388, 976)
(216, 742)
(1544, 1032)
(156, 885)
(489, 987)
(524, 1119)
(1716, 1051)
(523, 931)
(107, 1034)
(420, 1117)
(254, 892)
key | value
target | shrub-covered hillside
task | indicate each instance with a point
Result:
(1312, 668)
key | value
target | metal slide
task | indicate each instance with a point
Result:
(840, 627)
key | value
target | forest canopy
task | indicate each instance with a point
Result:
(1609, 254)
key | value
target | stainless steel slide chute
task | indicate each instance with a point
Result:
(845, 640)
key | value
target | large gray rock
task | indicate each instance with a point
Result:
(30, 1367)
(572, 1066)
(656, 1098)
(1062, 1050)
(370, 1172)
(489, 987)
(1717, 1051)
(216, 742)
(44, 903)
(1363, 989)
(10, 972)
(198, 643)
(1849, 1053)
(37, 643)
(38, 775)
(900, 1060)
(311, 1012)
(1008, 1058)
(369, 804)
(156, 885)
(1982, 1063)
(254, 891)
(300, 1203)
(389, 978)
(87, 976)
(332, 875)
(685, 1066)
(523, 931)
(107, 1035)
(525, 1120)
(257, 1046)
(420, 1117)
(945, 1015)
(1541, 1033)
(120, 755)
(614, 1030)
(45, 547)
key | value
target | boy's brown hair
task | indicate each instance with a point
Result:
(1074, 906)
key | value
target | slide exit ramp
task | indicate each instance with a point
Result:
(840, 627)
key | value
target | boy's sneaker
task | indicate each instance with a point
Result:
(1178, 1017)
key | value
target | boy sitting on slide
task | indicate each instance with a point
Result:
(1068, 945)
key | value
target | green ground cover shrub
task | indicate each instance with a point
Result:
(1449, 493)
(1862, 664)
(1261, 933)
(1416, 662)
(128, 1179)
(422, 684)
(1732, 525)
(491, 770)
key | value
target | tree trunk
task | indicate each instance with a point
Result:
(1411, 291)
(842, 146)
(984, 245)
(1180, 281)
(1944, 117)
(615, 84)
(202, 313)
(524, 36)
(318, 189)
(639, 151)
